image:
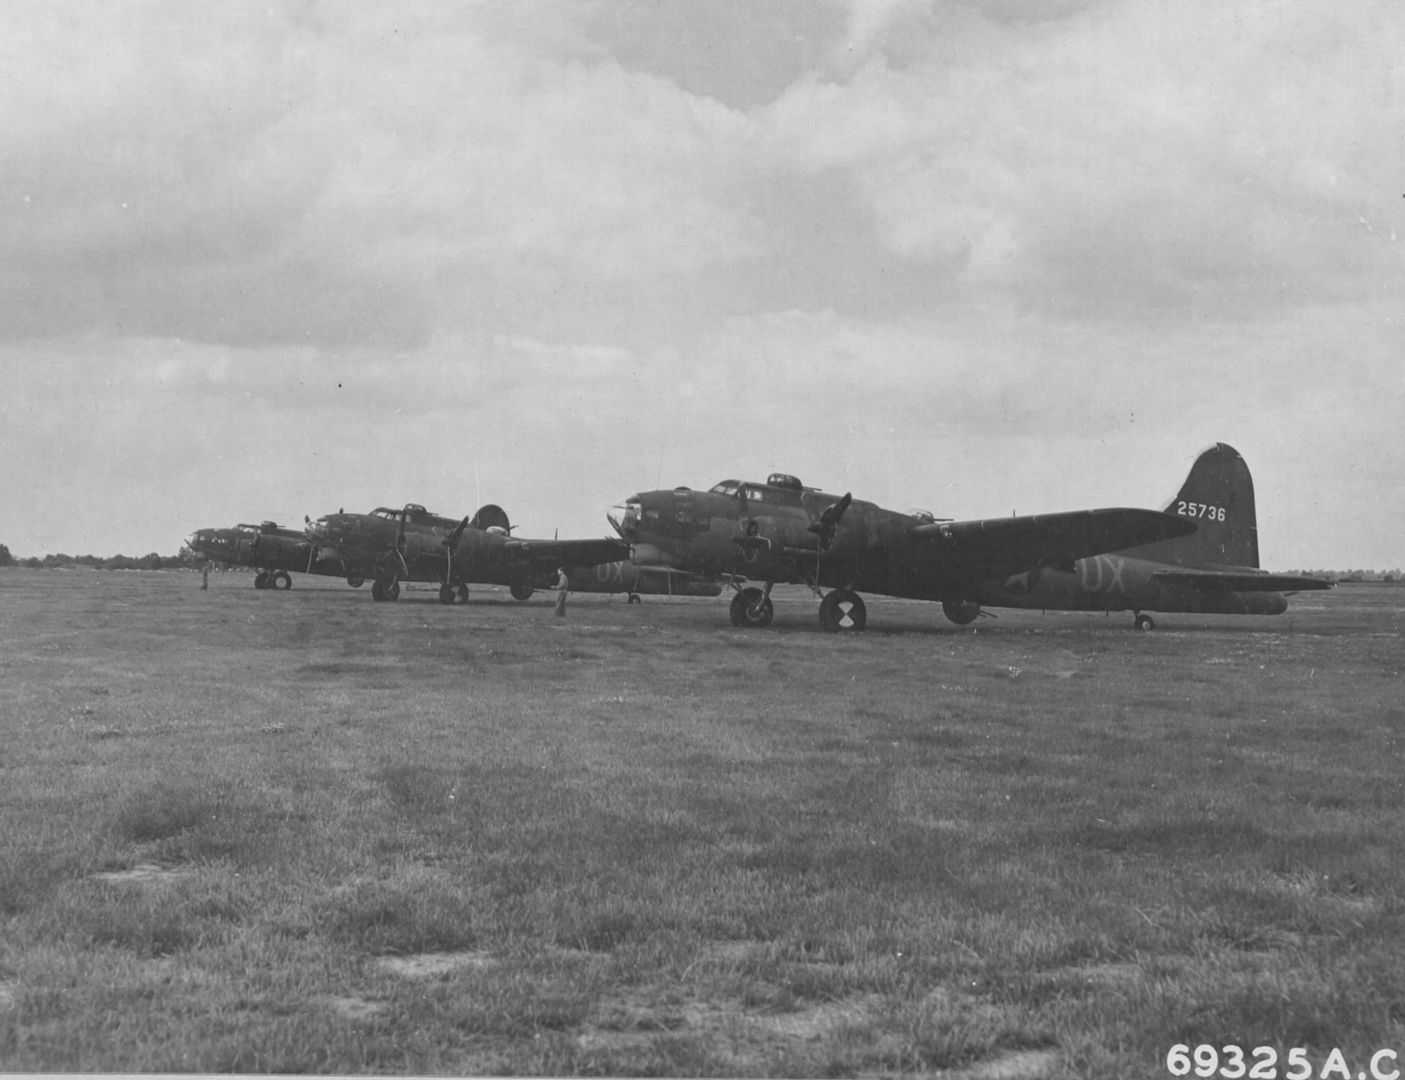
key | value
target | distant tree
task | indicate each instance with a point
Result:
(33, 563)
(151, 561)
(6, 559)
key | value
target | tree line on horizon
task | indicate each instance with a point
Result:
(187, 558)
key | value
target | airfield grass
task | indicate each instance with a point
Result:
(259, 831)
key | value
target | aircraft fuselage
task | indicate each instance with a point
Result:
(1115, 582)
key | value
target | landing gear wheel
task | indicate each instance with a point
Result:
(378, 590)
(842, 611)
(355, 581)
(392, 591)
(261, 579)
(463, 592)
(633, 598)
(521, 591)
(1144, 621)
(446, 594)
(751, 608)
(385, 590)
(281, 580)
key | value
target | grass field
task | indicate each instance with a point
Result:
(258, 831)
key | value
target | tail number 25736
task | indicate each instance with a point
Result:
(1199, 510)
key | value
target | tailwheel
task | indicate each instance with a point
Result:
(1143, 621)
(752, 608)
(843, 610)
(281, 580)
(261, 579)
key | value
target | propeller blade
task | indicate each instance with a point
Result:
(452, 540)
(834, 511)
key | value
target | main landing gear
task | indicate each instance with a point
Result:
(1143, 621)
(383, 589)
(273, 579)
(752, 608)
(841, 610)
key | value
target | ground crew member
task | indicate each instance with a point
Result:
(205, 574)
(563, 586)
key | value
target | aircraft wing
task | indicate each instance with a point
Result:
(553, 553)
(996, 545)
(1241, 580)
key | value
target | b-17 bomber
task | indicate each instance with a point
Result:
(783, 532)
(270, 549)
(411, 544)
(1198, 555)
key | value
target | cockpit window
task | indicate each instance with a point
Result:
(727, 487)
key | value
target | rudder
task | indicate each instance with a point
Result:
(1218, 494)
(491, 516)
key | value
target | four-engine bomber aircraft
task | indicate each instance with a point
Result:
(1214, 570)
(784, 532)
(269, 548)
(411, 544)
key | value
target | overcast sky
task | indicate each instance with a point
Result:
(261, 261)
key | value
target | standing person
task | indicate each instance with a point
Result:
(563, 586)
(205, 574)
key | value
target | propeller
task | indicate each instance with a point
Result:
(825, 528)
(750, 541)
(399, 547)
(829, 520)
(451, 542)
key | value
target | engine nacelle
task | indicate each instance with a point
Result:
(763, 543)
(961, 612)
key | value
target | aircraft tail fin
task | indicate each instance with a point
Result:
(491, 516)
(1218, 495)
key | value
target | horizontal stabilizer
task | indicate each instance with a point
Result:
(1239, 581)
(1050, 539)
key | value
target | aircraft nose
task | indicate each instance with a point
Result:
(316, 530)
(624, 516)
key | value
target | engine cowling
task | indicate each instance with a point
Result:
(961, 612)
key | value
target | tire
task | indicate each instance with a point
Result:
(355, 581)
(961, 612)
(261, 580)
(281, 580)
(378, 590)
(521, 591)
(446, 594)
(1144, 622)
(842, 611)
(752, 609)
(392, 591)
